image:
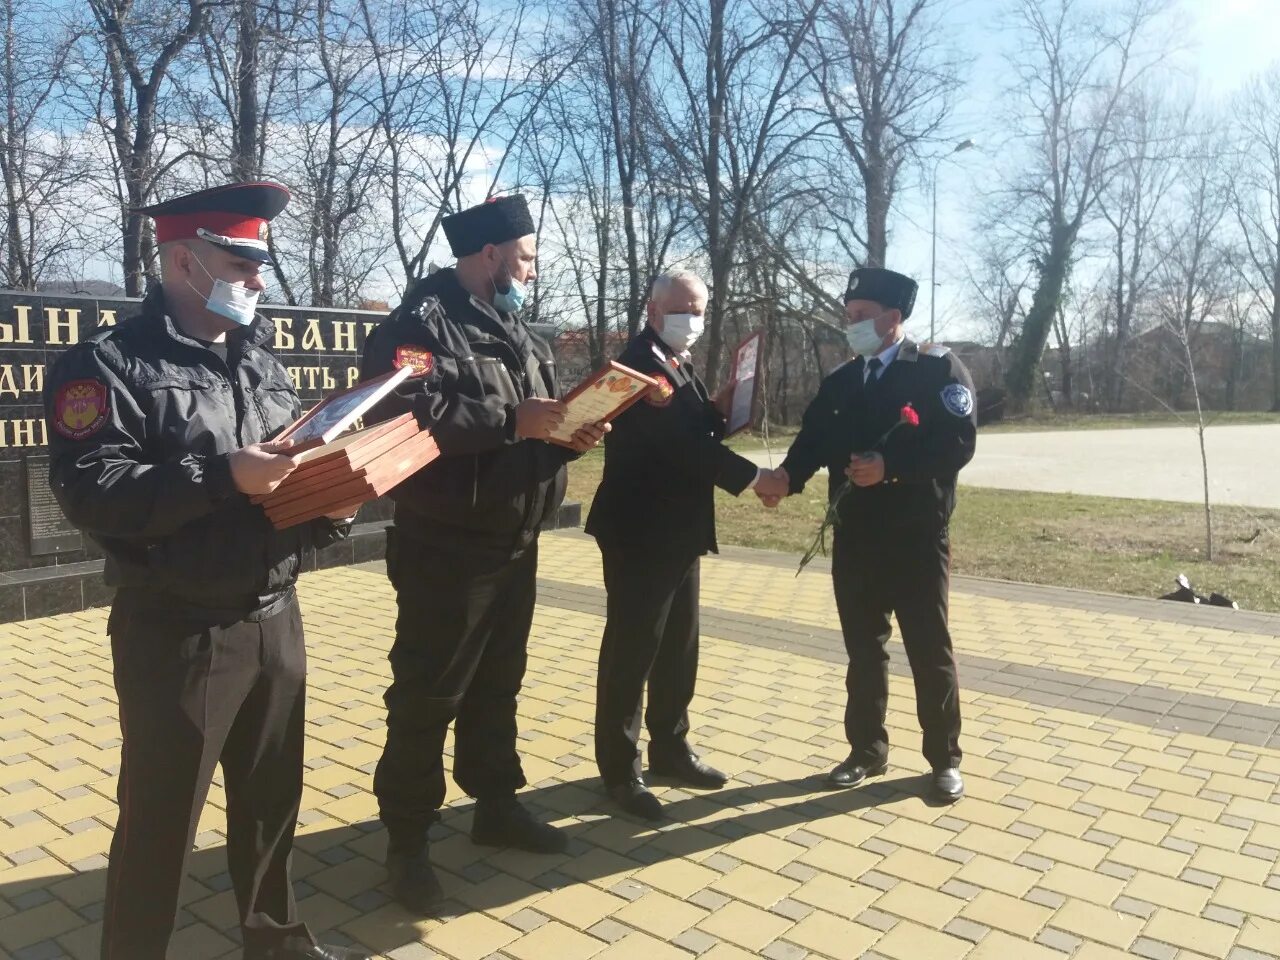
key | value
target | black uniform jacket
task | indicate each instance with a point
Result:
(476, 366)
(142, 420)
(663, 460)
(921, 462)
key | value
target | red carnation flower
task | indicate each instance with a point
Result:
(906, 416)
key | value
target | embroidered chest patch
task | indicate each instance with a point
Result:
(660, 395)
(80, 408)
(420, 360)
(957, 399)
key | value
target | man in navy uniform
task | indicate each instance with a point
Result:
(653, 518)
(159, 434)
(463, 553)
(891, 553)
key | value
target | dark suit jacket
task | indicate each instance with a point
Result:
(663, 460)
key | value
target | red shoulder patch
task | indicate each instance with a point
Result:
(662, 394)
(80, 408)
(420, 360)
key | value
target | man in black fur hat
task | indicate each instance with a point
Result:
(463, 552)
(897, 422)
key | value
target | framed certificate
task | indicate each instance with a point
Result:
(602, 396)
(338, 411)
(745, 376)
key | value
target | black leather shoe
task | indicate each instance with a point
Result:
(413, 882)
(946, 786)
(634, 797)
(853, 772)
(506, 823)
(315, 951)
(687, 768)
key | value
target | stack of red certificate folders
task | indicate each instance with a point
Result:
(336, 478)
(339, 470)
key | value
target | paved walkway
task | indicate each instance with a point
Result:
(1150, 463)
(1122, 759)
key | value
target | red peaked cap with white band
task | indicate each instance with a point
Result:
(233, 217)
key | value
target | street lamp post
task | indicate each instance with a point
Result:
(933, 266)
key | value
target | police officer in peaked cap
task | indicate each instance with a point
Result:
(891, 552)
(160, 433)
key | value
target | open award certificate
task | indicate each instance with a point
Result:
(746, 366)
(602, 396)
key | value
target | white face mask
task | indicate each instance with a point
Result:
(862, 336)
(680, 331)
(237, 303)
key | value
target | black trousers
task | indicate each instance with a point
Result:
(462, 634)
(650, 634)
(191, 698)
(903, 572)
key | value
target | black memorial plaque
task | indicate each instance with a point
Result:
(50, 531)
(320, 348)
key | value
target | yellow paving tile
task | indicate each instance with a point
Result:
(832, 936)
(1251, 900)
(1064, 849)
(997, 875)
(676, 877)
(836, 894)
(1001, 946)
(349, 616)
(1227, 864)
(918, 867)
(44, 922)
(910, 941)
(1163, 891)
(762, 888)
(1091, 922)
(745, 925)
(1191, 933)
(641, 946)
(1011, 914)
(554, 940)
(580, 906)
(1085, 884)
(660, 914)
(471, 937)
(926, 906)
(1145, 856)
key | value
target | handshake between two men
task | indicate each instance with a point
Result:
(864, 470)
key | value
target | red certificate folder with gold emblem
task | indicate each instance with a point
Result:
(338, 471)
(601, 397)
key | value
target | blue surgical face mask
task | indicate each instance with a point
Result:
(237, 303)
(511, 299)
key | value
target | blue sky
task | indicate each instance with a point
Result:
(1224, 43)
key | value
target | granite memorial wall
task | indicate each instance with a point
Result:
(46, 565)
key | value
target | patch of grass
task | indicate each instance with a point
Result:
(1133, 547)
(1127, 421)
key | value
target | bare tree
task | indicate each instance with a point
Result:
(887, 82)
(245, 45)
(1075, 67)
(1257, 202)
(456, 85)
(141, 41)
(1149, 136)
(734, 119)
(330, 146)
(39, 164)
(997, 292)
